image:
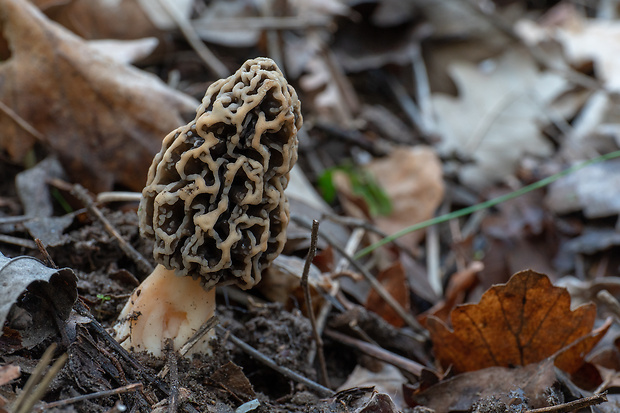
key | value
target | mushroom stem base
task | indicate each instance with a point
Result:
(165, 306)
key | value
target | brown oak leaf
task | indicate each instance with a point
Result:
(523, 321)
(104, 120)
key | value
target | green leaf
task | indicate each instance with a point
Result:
(363, 184)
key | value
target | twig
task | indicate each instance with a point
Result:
(378, 353)
(198, 335)
(352, 244)
(262, 23)
(572, 406)
(346, 89)
(306, 288)
(82, 194)
(368, 226)
(96, 395)
(423, 92)
(37, 384)
(207, 56)
(82, 310)
(420, 333)
(22, 123)
(272, 36)
(352, 137)
(15, 219)
(173, 400)
(118, 196)
(432, 260)
(46, 255)
(407, 104)
(20, 242)
(321, 390)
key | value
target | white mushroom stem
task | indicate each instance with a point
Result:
(165, 306)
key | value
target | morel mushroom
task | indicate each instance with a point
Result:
(214, 204)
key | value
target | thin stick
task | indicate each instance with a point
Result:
(572, 406)
(37, 384)
(419, 332)
(487, 204)
(34, 377)
(15, 219)
(352, 244)
(118, 196)
(20, 242)
(262, 23)
(321, 390)
(207, 56)
(48, 259)
(378, 353)
(423, 92)
(82, 310)
(22, 123)
(173, 400)
(368, 226)
(96, 395)
(407, 104)
(198, 335)
(82, 194)
(432, 260)
(324, 379)
(272, 36)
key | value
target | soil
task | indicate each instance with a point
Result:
(220, 382)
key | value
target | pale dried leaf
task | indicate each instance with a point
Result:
(587, 190)
(496, 118)
(413, 181)
(125, 51)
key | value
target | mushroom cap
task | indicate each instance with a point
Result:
(214, 200)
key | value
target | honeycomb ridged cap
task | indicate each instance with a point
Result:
(214, 200)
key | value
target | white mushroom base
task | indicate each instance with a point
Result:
(165, 306)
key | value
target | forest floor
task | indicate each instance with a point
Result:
(473, 117)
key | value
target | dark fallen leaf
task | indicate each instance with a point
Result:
(363, 400)
(461, 391)
(230, 377)
(32, 296)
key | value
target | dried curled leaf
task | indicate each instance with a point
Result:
(523, 321)
(30, 295)
(214, 199)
